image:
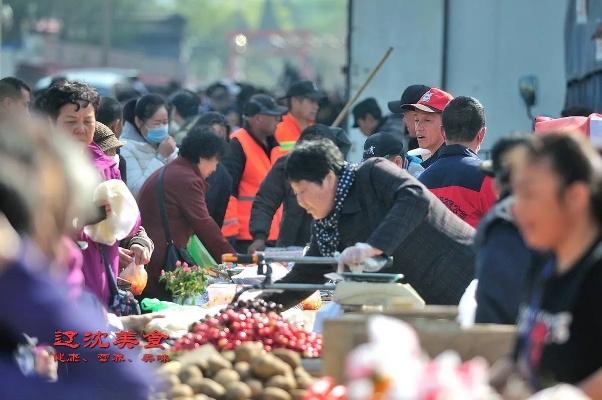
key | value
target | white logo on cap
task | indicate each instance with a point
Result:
(426, 97)
(315, 86)
(370, 150)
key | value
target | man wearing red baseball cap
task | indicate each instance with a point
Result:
(427, 119)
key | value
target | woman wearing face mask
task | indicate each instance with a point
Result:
(149, 146)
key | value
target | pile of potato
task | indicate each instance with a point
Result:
(248, 372)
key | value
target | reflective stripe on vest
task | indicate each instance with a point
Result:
(287, 146)
(230, 227)
(288, 132)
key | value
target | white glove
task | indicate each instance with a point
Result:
(355, 258)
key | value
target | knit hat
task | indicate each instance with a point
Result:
(105, 138)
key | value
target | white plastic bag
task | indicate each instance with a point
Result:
(468, 305)
(330, 310)
(122, 218)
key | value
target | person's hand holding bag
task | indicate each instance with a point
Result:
(136, 275)
(355, 258)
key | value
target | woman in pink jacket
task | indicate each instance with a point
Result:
(72, 107)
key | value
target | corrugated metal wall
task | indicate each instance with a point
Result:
(583, 65)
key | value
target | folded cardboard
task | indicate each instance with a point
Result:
(437, 332)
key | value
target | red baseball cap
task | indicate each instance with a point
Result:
(435, 100)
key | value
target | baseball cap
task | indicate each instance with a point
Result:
(263, 104)
(105, 138)
(434, 100)
(304, 89)
(382, 144)
(364, 107)
(411, 95)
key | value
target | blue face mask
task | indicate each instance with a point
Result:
(156, 135)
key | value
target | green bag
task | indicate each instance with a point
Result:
(199, 253)
(154, 305)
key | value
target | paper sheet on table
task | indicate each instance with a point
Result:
(249, 276)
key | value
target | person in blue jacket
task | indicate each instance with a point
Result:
(502, 258)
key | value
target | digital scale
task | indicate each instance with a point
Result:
(353, 291)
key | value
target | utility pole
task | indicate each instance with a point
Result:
(106, 32)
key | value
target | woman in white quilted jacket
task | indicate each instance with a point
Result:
(149, 146)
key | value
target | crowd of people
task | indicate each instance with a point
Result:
(525, 225)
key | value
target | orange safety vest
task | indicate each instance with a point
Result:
(257, 166)
(288, 132)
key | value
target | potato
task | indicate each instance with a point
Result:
(256, 387)
(170, 380)
(246, 351)
(172, 367)
(201, 397)
(216, 363)
(238, 391)
(300, 371)
(244, 370)
(210, 388)
(189, 372)
(229, 355)
(298, 394)
(274, 393)
(266, 365)
(225, 376)
(181, 398)
(304, 382)
(287, 383)
(180, 390)
(196, 384)
(290, 357)
(202, 364)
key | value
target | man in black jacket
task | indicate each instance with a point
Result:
(275, 190)
(369, 119)
(376, 209)
(220, 182)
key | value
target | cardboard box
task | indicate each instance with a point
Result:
(436, 335)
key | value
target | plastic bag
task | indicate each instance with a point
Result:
(154, 305)
(313, 302)
(122, 218)
(199, 253)
(136, 275)
(330, 310)
(467, 308)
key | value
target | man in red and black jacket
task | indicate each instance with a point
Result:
(455, 177)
